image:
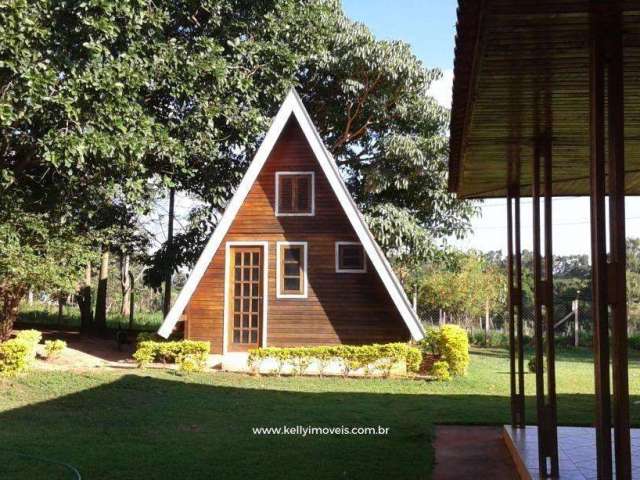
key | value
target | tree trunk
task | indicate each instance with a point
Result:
(30, 297)
(10, 298)
(167, 282)
(101, 296)
(61, 302)
(132, 283)
(125, 281)
(83, 297)
(487, 319)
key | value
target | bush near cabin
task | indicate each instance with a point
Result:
(449, 344)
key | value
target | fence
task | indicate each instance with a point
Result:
(572, 320)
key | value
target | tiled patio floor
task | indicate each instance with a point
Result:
(577, 451)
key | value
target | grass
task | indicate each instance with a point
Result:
(155, 424)
(42, 316)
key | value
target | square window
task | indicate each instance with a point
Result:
(350, 257)
(294, 193)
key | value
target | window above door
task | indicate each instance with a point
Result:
(350, 258)
(295, 194)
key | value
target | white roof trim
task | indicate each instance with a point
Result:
(293, 106)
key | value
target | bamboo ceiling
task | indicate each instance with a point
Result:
(521, 70)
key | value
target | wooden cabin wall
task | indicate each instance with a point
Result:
(349, 308)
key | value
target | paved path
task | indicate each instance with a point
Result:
(472, 452)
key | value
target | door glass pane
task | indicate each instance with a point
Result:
(238, 258)
(254, 305)
(236, 321)
(245, 336)
(236, 336)
(254, 289)
(256, 274)
(254, 336)
(254, 321)
(245, 289)
(247, 258)
(237, 290)
(256, 259)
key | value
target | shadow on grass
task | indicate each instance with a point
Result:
(163, 428)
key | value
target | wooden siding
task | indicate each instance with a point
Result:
(351, 308)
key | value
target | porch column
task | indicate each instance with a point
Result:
(609, 268)
(514, 274)
(543, 314)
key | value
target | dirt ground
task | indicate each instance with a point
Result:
(84, 351)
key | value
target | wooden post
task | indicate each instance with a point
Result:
(517, 301)
(576, 323)
(543, 314)
(617, 296)
(510, 295)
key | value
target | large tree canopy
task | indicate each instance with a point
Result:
(107, 103)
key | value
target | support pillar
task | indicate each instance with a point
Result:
(609, 267)
(543, 313)
(514, 273)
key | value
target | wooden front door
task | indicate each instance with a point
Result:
(246, 291)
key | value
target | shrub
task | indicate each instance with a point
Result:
(450, 342)
(634, 342)
(370, 357)
(53, 348)
(532, 365)
(29, 336)
(149, 351)
(440, 371)
(32, 339)
(190, 363)
(14, 356)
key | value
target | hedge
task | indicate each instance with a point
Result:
(369, 357)
(190, 355)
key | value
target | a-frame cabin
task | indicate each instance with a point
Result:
(292, 262)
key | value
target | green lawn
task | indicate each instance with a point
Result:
(156, 425)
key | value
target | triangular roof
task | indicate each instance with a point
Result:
(293, 106)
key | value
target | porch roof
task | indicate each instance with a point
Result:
(522, 69)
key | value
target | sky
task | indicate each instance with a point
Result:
(429, 27)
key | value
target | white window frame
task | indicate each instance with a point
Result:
(305, 290)
(265, 295)
(348, 270)
(313, 194)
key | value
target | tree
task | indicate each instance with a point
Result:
(36, 252)
(369, 100)
(464, 286)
